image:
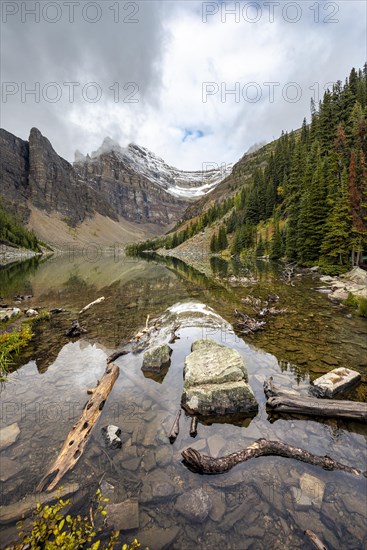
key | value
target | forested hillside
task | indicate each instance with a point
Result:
(308, 201)
(14, 233)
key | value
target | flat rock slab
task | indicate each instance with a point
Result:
(157, 358)
(336, 381)
(9, 468)
(9, 435)
(216, 381)
(123, 516)
(310, 492)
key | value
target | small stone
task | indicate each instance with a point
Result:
(195, 505)
(123, 516)
(111, 436)
(157, 358)
(336, 381)
(9, 435)
(31, 313)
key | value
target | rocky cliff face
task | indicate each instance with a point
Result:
(33, 174)
(54, 186)
(14, 161)
(132, 195)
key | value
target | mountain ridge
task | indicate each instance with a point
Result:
(133, 186)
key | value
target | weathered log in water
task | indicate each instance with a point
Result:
(175, 428)
(315, 540)
(24, 508)
(78, 436)
(204, 464)
(285, 402)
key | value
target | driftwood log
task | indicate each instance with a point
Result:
(262, 447)
(98, 301)
(288, 402)
(175, 428)
(78, 436)
(315, 540)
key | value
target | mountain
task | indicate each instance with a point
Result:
(302, 197)
(179, 183)
(115, 195)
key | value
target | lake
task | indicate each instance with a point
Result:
(258, 504)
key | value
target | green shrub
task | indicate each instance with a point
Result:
(351, 300)
(53, 530)
(362, 306)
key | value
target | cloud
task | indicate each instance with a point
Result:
(151, 74)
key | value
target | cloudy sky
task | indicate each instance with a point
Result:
(192, 81)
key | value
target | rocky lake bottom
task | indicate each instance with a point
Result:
(265, 502)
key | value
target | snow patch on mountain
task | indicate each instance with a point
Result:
(180, 183)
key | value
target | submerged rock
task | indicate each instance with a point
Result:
(310, 492)
(158, 538)
(9, 468)
(157, 358)
(75, 330)
(336, 381)
(216, 381)
(194, 505)
(9, 435)
(123, 515)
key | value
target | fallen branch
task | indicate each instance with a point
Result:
(283, 402)
(116, 355)
(174, 336)
(194, 426)
(315, 540)
(78, 436)
(262, 447)
(247, 324)
(175, 428)
(98, 301)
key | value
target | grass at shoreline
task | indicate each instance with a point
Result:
(13, 342)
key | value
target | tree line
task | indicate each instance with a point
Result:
(309, 202)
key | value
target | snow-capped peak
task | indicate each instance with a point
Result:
(180, 183)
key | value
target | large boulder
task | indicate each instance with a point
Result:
(216, 381)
